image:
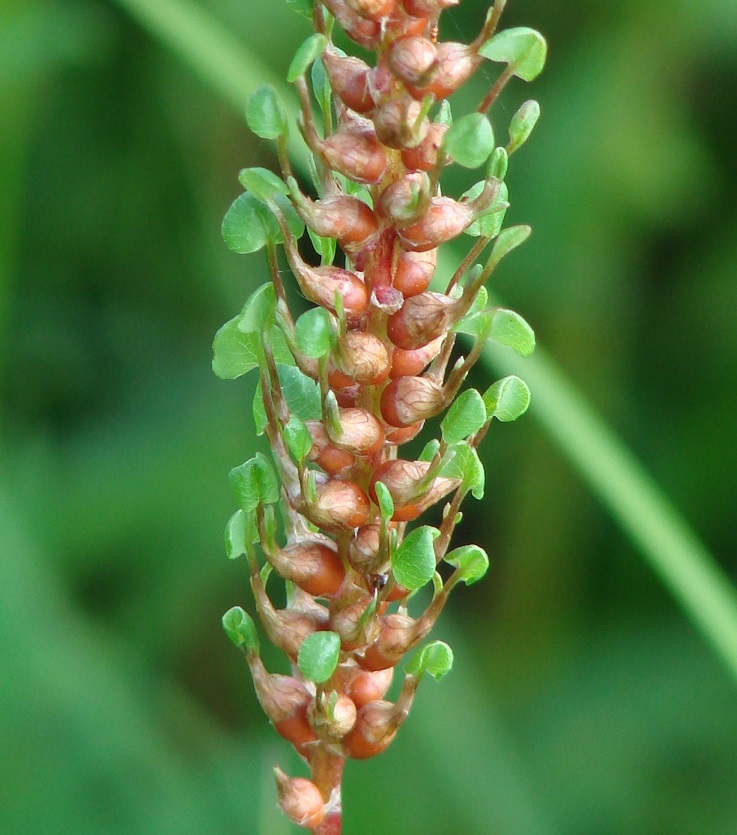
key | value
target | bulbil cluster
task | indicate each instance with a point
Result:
(347, 384)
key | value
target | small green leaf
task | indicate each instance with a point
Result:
(471, 561)
(470, 140)
(310, 50)
(266, 115)
(429, 450)
(385, 500)
(465, 465)
(301, 393)
(435, 658)
(522, 48)
(324, 247)
(508, 240)
(241, 629)
(522, 125)
(318, 656)
(234, 352)
(313, 332)
(298, 438)
(255, 483)
(498, 165)
(510, 329)
(489, 222)
(240, 532)
(262, 183)
(445, 116)
(259, 311)
(413, 562)
(507, 399)
(466, 415)
(302, 7)
(248, 225)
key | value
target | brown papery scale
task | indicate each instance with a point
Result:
(410, 363)
(372, 9)
(423, 318)
(412, 59)
(398, 123)
(424, 157)
(300, 799)
(455, 63)
(339, 506)
(426, 8)
(362, 432)
(401, 478)
(347, 219)
(313, 566)
(414, 271)
(405, 201)
(364, 32)
(407, 400)
(355, 153)
(362, 357)
(349, 79)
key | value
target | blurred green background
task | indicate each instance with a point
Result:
(582, 700)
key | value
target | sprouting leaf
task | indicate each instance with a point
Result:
(508, 240)
(507, 399)
(385, 500)
(522, 124)
(254, 483)
(318, 656)
(308, 51)
(472, 562)
(445, 116)
(240, 532)
(435, 658)
(302, 7)
(324, 247)
(413, 562)
(498, 165)
(489, 222)
(466, 415)
(298, 438)
(241, 629)
(266, 114)
(248, 225)
(510, 329)
(470, 140)
(463, 463)
(301, 393)
(429, 450)
(313, 332)
(523, 49)
(259, 311)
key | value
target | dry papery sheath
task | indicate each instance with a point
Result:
(349, 379)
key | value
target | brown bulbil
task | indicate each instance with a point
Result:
(376, 726)
(364, 32)
(423, 319)
(410, 363)
(349, 79)
(324, 453)
(406, 200)
(404, 434)
(407, 400)
(398, 123)
(368, 686)
(372, 9)
(345, 218)
(332, 723)
(300, 800)
(355, 154)
(397, 636)
(362, 433)
(427, 8)
(364, 549)
(414, 271)
(362, 357)
(401, 479)
(340, 506)
(425, 156)
(313, 566)
(346, 621)
(444, 220)
(455, 64)
(412, 59)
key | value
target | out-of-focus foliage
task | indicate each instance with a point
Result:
(580, 701)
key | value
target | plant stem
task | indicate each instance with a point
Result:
(327, 775)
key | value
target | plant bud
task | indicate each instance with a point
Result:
(346, 621)
(284, 700)
(425, 156)
(402, 478)
(446, 219)
(411, 363)
(404, 434)
(362, 433)
(300, 800)
(368, 686)
(340, 506)
(423, 319)
(363, 551)
(376, 726)
(409, 399)
(372, 9)
(313, 566)
(364, 32)
(332, 721)
(412, 59)
(414, 271)
(397, 636)
(348, 397)
(345, 218)
(363, 357)
(349, 78)
(406, 200)
(355, 154)
(427, 8)
(324, 453)
(402, 24)
(455, 63)
(398, 124)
